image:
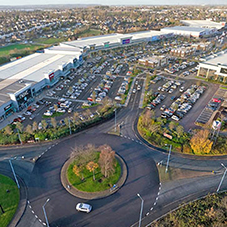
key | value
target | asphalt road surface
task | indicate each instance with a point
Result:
(123, 207)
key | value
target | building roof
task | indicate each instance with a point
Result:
(220, 58)
(184, 28)
(31, 69)
(97, 40)
(204, 23)
(147, 34)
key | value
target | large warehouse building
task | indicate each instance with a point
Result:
(204, 24)
(214, 67)
(22, 80)
(196, 32)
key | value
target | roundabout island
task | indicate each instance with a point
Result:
(92, 173)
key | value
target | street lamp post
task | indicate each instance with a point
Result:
(141, 209)
(44, 211)
(11, 165)
(219, 186)
(115, 120)
(167, 165)
(70, 131)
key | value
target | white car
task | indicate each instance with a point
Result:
(59, 110)
(118, 98)
(48, 113)
(28, 113)
(174, 117)
(134, 91)
(84, 207)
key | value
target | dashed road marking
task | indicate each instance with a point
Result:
(36, 216)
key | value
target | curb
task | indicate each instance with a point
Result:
(93, 195)
(23, 199)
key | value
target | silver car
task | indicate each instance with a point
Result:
(84, 207)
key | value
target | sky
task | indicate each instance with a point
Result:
(112, 2)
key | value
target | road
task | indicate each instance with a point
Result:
(123, 207)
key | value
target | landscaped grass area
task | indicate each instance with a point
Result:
(56, 114)
(8, 200)
(88, 184)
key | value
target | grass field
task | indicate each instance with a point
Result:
(5, 51)
(49, 40)
(9, 201)
(100, 184)
(89, 32)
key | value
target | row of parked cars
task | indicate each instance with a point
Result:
(184, 103)
(102, 89)
(97, 70)
(169, 86)
(60, 107)
(177, 67)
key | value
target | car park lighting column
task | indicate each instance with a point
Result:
(141, 209)
(44, 211)
(222, 177)
(167, 165)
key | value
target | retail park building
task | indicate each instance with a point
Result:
(24, 79)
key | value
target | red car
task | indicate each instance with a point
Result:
(216, 100)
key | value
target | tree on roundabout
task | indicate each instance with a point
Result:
(93, 169)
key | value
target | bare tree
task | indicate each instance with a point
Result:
(29, 129)
(53, 122)
(34, 126)
(8, 130)
(107, 160)
(44, 124)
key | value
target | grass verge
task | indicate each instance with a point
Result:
(177, 174)
(56, 114)
(8, 200)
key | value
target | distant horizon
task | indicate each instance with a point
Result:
(29, 3)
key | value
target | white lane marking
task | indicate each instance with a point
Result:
(44, 223)
(33, 211)
(36, 216)
(40, 220)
